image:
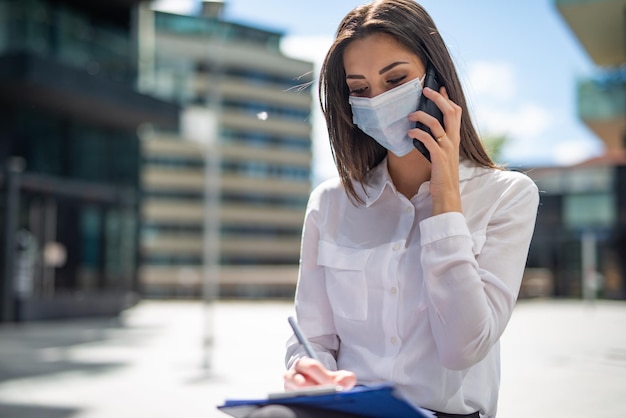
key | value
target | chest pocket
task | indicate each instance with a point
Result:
(346, 285)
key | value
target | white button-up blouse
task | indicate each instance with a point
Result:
(396, 295)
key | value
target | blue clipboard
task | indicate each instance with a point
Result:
(365, 401)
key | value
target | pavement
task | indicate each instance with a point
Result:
(560, 358)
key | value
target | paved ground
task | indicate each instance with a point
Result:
(560, 359)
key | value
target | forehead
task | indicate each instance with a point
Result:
(376, 50)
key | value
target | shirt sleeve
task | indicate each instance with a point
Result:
(312, 306)
(471, 295)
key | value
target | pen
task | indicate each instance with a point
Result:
(302, 339)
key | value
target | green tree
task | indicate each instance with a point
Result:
(493, 145)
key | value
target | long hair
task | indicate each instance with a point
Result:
(354, 152)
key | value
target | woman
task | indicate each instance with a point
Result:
(410, 269)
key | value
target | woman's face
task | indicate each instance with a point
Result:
(378, 63)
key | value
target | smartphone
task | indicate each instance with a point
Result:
(431, 80)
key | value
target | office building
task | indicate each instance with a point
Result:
(69, 157)
(231, 185)
(581, 228)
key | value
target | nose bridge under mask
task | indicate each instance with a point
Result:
(390, 95)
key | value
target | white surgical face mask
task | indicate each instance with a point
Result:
(385, 117)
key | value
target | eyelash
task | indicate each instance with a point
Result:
(397, 80)
(392, 82)
(358, 91)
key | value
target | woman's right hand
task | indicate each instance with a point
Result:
(308, 372)
(444, 150)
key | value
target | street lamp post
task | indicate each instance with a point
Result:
(212, 203)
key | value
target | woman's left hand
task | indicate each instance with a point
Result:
(444, 150)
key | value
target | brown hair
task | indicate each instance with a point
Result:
(354, 152)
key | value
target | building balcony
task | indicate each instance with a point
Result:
(602, 106)
(43, 82)
(600, 26)
(203, 27)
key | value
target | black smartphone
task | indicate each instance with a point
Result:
(431, 80)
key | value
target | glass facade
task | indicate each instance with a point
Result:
(589, 210)
(577, 202)
(69, 206)
(96, 231)
(52, 144)
(68, 36)
(604, 97)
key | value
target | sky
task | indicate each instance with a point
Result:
(518, 61)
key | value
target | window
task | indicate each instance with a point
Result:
(585, 210)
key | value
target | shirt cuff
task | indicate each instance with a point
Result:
(443, 226)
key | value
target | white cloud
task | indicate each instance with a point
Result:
(309, 48)
(552, 148)
(572, 152)
(531, 119)
(514, 119)
(497, 107)
(494, 80)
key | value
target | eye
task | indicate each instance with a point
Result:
(358, 91)
(396, 80)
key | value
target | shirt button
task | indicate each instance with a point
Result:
(393, 340)
(394, 290)
(409, 209)
(396, 246)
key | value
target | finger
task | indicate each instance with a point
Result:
(452, 112)
(433, 124)
(292, 385)
(345, 379)
(444, 92)
(434, 95)
(440, 139)
(313, 370)
(443, 102)
(293, 380)
(426, 140)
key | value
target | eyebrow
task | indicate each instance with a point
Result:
(381, 72)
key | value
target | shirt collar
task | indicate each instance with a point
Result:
(379, 178)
